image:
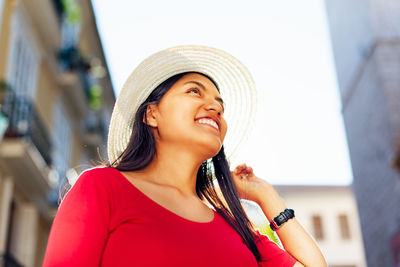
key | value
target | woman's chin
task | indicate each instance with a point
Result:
(211, 151)
(208, 144)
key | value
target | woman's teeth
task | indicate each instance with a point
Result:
(209, 122)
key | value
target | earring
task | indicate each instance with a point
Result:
(204, 167)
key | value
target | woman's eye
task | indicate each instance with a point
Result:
(195, 90)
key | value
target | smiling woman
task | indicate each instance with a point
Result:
(156, 202)
(181, 111)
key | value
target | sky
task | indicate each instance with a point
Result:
(298, 135)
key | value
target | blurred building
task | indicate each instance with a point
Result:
(366, 45)
(329, 214)
(56, 101)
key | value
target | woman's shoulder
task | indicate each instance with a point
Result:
(97, 170)
(100, 174)
(98, 180)
(90, 183)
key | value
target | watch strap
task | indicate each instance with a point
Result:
(283, 217)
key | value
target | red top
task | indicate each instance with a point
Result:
(104, 220)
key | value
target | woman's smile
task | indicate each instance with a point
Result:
(209, 123)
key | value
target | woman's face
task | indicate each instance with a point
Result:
(190, 115)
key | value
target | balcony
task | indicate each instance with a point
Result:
(25, 151)
(25, 123)
(95, 130)
(74, 78)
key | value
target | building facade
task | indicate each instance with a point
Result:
(56, 100)
(365, 37)
(329, 214)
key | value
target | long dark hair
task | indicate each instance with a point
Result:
(141, 150)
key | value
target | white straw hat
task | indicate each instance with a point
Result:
(233, 79)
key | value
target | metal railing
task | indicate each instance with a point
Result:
(7, 260)
(25, 122)
(95, 124)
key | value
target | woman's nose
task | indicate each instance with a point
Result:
(216, 106)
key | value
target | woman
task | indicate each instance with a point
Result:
(155, 202)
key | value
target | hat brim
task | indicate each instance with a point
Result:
(233, 79)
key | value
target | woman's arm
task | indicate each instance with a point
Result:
(293, 236)
(80, 228)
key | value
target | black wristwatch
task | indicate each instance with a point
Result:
(283, 217)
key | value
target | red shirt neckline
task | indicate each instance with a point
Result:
(167, 211)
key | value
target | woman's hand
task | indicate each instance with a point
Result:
(247, 184)
(293, 236)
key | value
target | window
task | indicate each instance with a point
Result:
(344, 226)
(1, 10)
(23, 59)
(395, 247)
(61, 137)
(317, 227)
(396, 159)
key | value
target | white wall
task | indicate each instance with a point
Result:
(329, 203)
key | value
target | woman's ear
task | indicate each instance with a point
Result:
(151, 116)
